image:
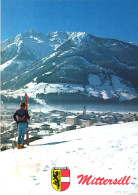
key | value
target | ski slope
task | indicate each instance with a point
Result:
(109, 151)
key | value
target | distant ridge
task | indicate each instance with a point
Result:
(75, 64)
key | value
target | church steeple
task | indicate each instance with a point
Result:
(84, 111)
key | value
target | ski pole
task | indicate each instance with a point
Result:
(16, 133)
(14, 142)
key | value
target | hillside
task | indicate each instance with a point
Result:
(74, 65)
(108, 151)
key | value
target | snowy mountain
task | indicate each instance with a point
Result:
(69, 66)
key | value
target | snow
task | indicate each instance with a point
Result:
(114, 44)
(117, 82)
(78, 38)
(108, 151)
(47, 73)
(104, 94)
(32, 89)
(13, 61)
(110, 88)
(6, 64)
(92, 91)
(38, 44)
(123, 89)
(65, 53)
(50, 56)
(37, 39)
(127, 96)
(98, 86)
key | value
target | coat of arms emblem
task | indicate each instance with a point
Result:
(60, 178)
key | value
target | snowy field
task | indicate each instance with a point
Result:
(107, 151)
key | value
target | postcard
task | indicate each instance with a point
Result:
(69, 97)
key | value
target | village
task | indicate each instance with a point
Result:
(46, 124)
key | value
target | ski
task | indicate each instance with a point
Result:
(26, 105)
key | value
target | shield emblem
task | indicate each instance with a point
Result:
(60, 178)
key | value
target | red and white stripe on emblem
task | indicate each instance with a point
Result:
(65, 179)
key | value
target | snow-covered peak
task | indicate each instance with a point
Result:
(72, 58)
(80, 35)
(32, 31)
(37, 44)
(52, 39)
(59, 34)
(79, 39)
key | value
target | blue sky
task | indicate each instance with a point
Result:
(116, 19)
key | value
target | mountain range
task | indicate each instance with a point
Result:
(68, 67)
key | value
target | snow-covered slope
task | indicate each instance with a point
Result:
(108, 151)
(71, 63)
(30, 46)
